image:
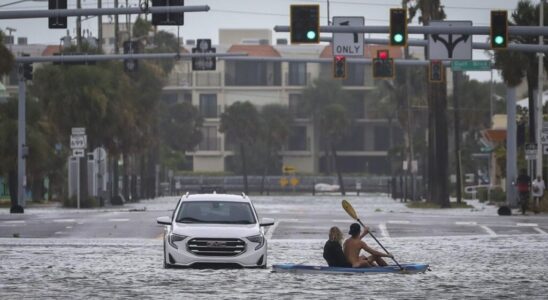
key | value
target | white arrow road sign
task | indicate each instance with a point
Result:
(450, 46)
(348, 44)
(78, 152)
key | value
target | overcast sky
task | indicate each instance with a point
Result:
(254, 14)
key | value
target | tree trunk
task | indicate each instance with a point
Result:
(125, 175)
(12, 187)
(244, 168)
(431, 161)
(531, 86)
(442, 149)
(337, 169)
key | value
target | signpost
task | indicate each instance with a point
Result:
(530, 151)
(348, 44)
(450, 46)
(471, 65)
(78, 144)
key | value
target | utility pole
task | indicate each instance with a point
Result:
(100, 27)
(540, 89)
(410, 154)
(456, 82)
(328, 17)
(116, 29)
(79, 28)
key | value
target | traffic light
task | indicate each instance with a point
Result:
(131, 64)
(383, 65)
(339, 67)
(57, 22)
(27, 68)
(435, 71)
(305, 24)
(499, 29)
(168, 18)
(398, 27)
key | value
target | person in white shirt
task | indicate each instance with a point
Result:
(538, 191)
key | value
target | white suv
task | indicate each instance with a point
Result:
(209, 230)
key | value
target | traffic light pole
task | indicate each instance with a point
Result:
(33, 14)
(539, 102)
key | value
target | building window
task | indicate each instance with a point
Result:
(210, 141)
(187, 98)
(298, 140)
(253, 73)
(111, 41)
(297, 73)
(169, 98)
(208, 105)
(381, 138)
(355, 74)
(297, 107)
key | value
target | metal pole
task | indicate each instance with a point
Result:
(456, 80)
(511, 147)
(116, 29)
(33, 14)
(100, 27)
(79, 27)
(21, 140)
(539, 102)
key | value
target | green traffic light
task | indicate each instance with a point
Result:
(311, 34)
(398, 37)
(499, 40)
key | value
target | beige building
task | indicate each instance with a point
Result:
(262, 82)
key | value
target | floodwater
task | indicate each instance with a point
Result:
(501, 267)
(512, 266)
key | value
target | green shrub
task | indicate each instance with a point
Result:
(497, 195)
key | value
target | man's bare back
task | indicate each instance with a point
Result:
(353, 246)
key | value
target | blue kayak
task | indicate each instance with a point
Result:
(299, 269)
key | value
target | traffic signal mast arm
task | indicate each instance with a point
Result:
(33, 14)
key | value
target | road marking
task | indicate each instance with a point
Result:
(526, 224)
(68, 227)
(540, 230)
(271, 230)
(341, 221)
(384, 230)
(398, 222)
(59, 232)
(118, 220)
(64, 221)
(466, 223)
(489, 230)
(14, 222)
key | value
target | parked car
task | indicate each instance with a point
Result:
(214, 230)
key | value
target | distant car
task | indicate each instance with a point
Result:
(214, 230)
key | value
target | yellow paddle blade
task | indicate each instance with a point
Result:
(349, 209)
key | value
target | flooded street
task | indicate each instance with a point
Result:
(497, 265)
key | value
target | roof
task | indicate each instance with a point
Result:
(51, 50)
(255, 50)
(216, 197)
(369, 51)
(495, 135)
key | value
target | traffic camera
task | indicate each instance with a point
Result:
(305, 24)
(339, 67)
(499, 29)
(398, 27)
(383, 65)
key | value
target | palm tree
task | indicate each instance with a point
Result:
(515, 65)
(6, 57)
(276, 121)
(437, 104)
(240, 123)
(324, 100)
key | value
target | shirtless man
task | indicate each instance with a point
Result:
(353, 246)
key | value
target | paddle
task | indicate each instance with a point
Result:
(352, 213)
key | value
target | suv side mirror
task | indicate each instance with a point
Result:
(164, 220)
(266, 222)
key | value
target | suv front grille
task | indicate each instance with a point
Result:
(215, 246)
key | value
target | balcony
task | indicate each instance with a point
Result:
(210, 144)
(293, 79)
(180, 80)
(211, 79)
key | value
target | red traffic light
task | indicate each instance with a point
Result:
(339, 58)
(382, 54)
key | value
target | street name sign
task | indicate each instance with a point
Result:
(471, 65)
(78, 130)
(204, 63)
(450, 46)
(530, 151)
(348, 44)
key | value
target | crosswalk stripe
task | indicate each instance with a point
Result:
(466, 223)
(64, 220)
(118, 220)
(489, 230)
(14, 222)
(527, 224)
(398, 222)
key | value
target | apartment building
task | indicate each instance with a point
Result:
(261, 82)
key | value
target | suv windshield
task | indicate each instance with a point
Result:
(221, 212)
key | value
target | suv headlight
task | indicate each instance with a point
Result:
(172, 238)
(259, 238)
